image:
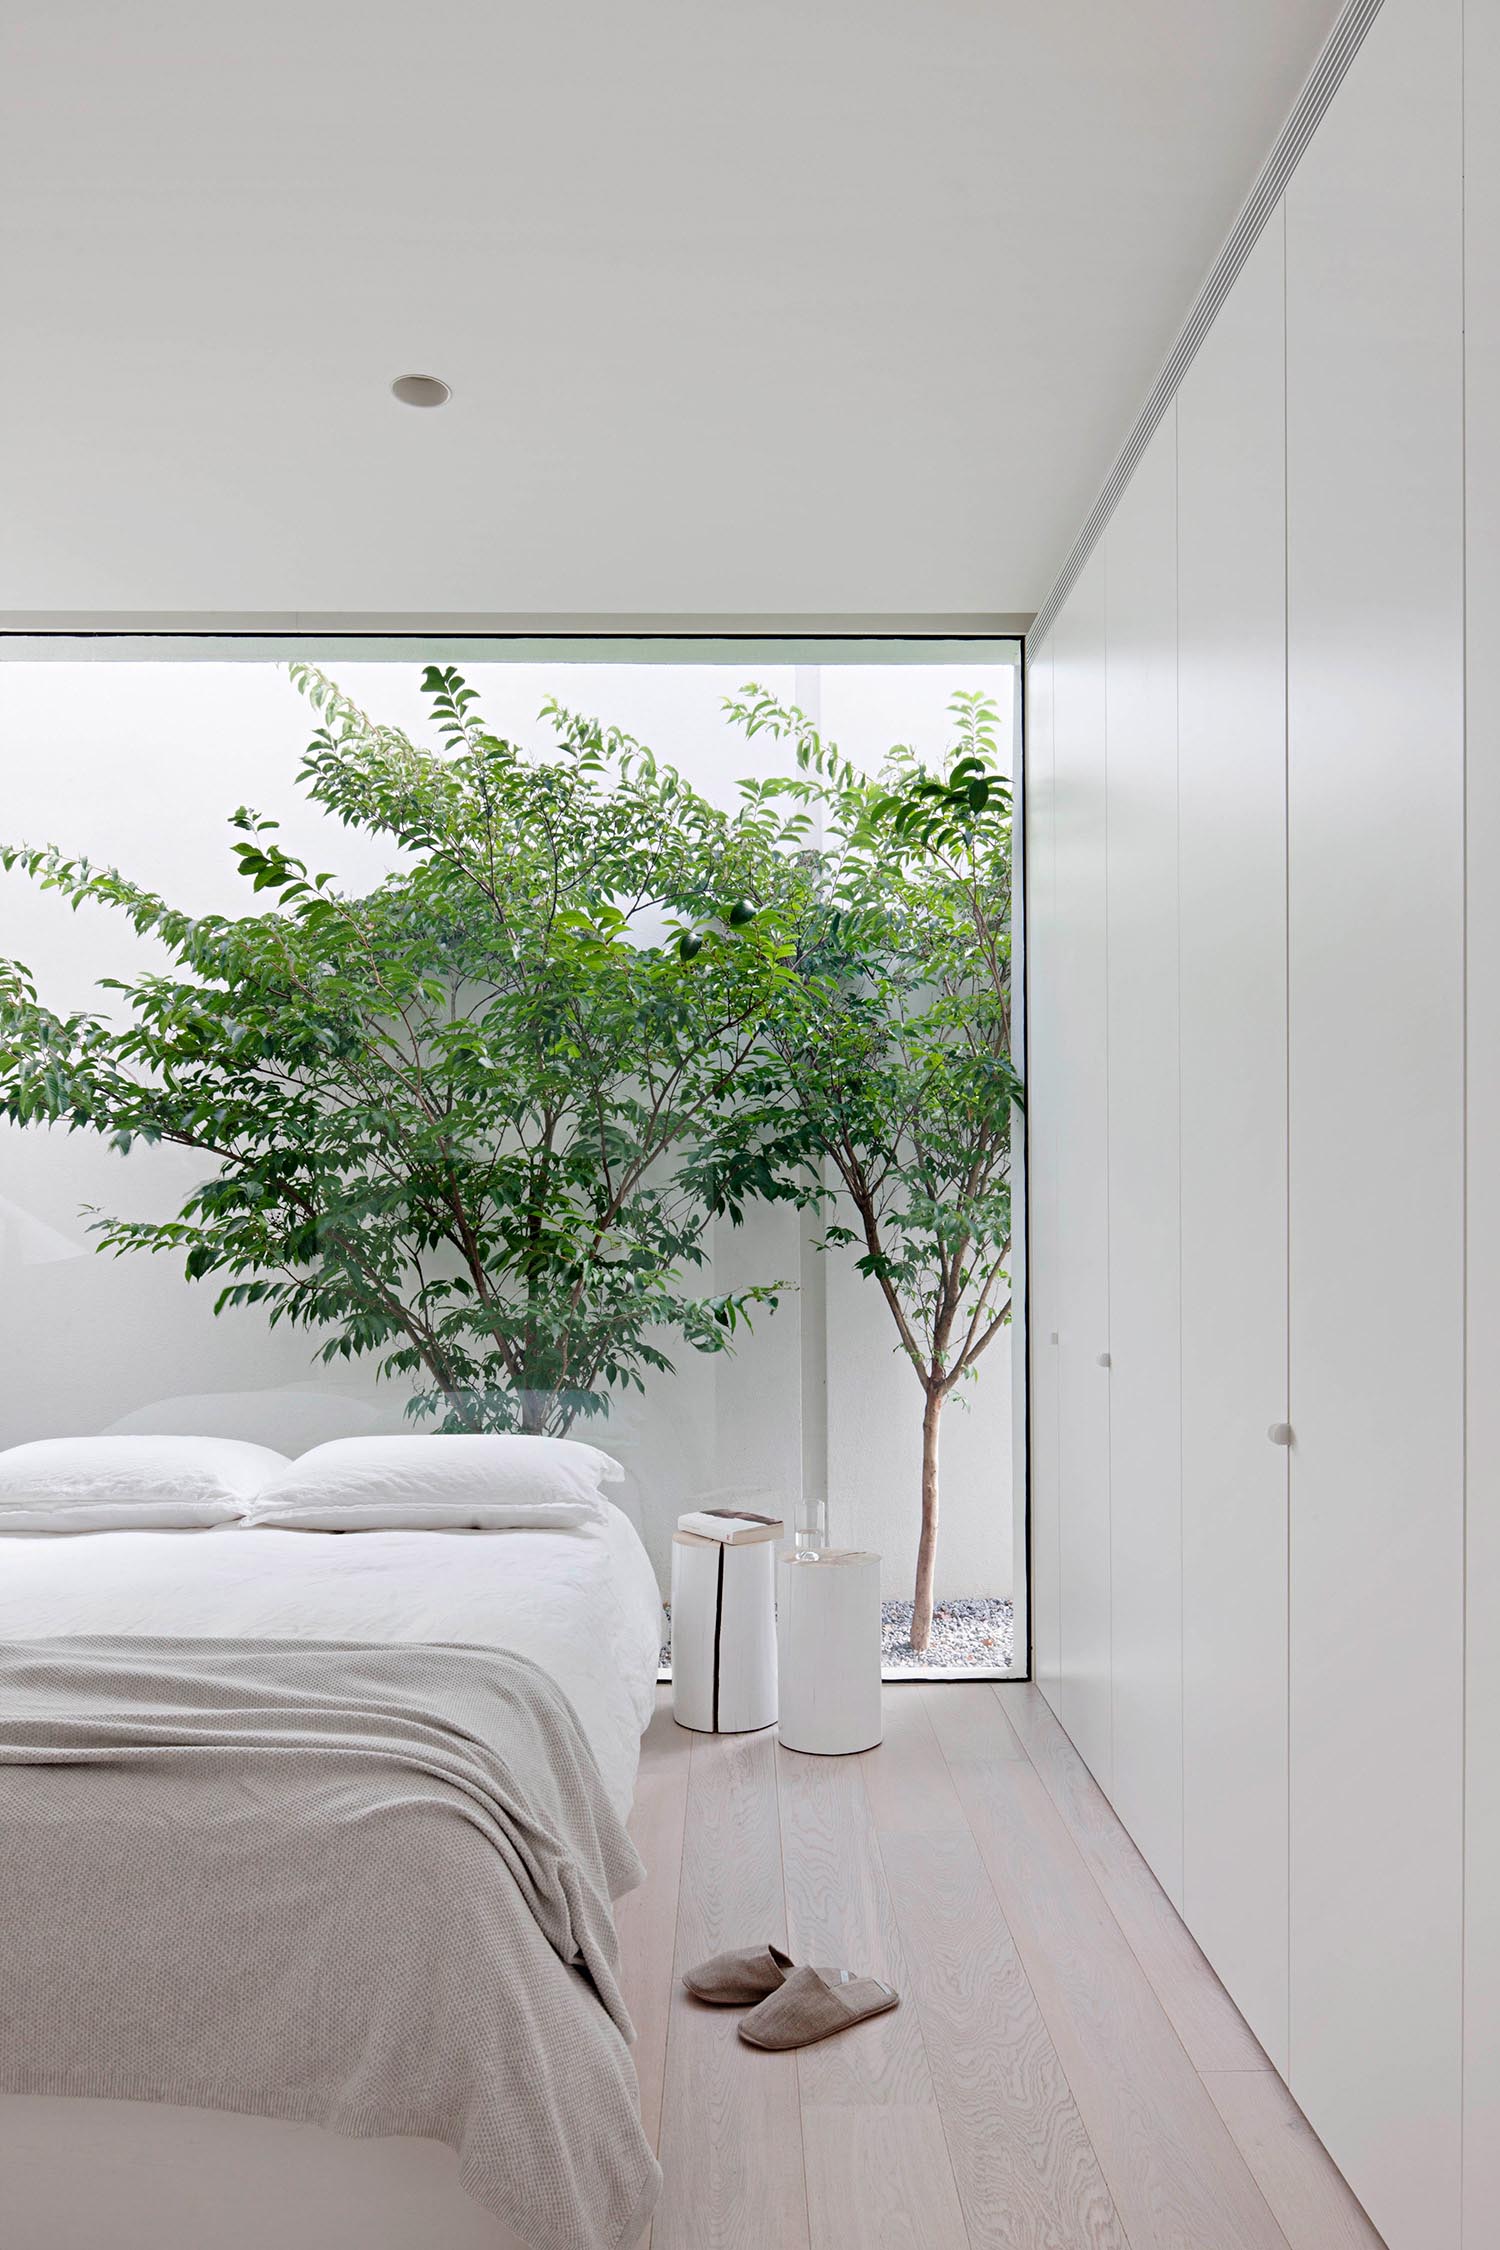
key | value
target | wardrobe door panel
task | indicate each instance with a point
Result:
(1231, 436)
(1081, 1034)
(1041, 1170)
(1482, 459)
(1144, 1320)
(1376, 938)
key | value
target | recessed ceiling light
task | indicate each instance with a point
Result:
(421, 390)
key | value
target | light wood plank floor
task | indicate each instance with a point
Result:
(1065, 2072)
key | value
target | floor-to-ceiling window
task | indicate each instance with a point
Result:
(137, 754)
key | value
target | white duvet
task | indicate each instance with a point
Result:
(582, 1603)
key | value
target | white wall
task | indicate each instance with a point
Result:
(1145, 1254)
(1482, 1173)
(1374, 485)
(1044, 1276)
(1300, 1033)
(139, 764)
(1231, 917)
(1079, 1117)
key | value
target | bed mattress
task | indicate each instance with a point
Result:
(581, 1603)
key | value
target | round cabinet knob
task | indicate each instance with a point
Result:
(1280, 1433)
(1104, 1359)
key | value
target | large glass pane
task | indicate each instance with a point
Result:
(138, 763)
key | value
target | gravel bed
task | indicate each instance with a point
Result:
(967, 1636)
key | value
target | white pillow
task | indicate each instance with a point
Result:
(453, 1483)
(130, 1483)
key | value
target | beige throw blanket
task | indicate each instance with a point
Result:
(366, 1886)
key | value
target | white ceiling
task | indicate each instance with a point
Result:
(788, 308)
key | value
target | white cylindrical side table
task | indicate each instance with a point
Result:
(723, 1634)
(828, 1641)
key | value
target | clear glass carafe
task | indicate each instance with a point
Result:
(811, 1527)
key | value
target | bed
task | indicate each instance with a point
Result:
(578, 1603)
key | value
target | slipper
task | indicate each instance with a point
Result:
(813, 2004)
(733, 1980)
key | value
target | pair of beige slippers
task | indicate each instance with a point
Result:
(789, 2006)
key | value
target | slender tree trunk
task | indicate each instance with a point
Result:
(921, 1614)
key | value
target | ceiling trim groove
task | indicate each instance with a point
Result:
(35, 626)
(1327, 75)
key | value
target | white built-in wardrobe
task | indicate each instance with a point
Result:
(1263, 959)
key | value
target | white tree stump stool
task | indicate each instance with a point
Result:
(723, 1634)
(828, 1633)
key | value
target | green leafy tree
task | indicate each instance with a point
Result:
(890, 1090)
(455, 1122)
